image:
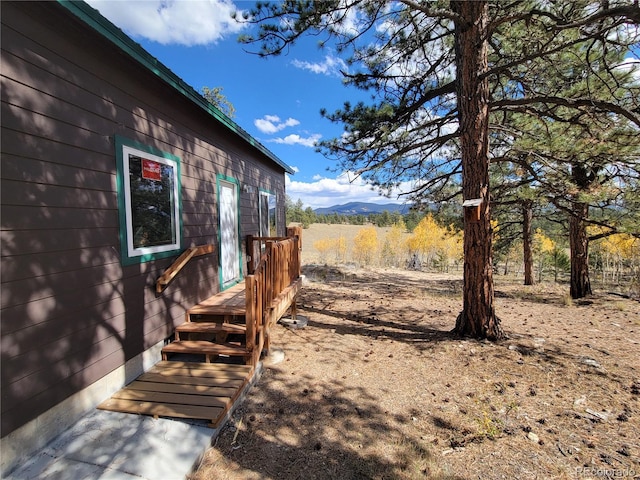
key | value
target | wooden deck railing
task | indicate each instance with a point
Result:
(272, 284)
(270, 289)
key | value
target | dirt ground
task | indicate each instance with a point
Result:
(375, 386)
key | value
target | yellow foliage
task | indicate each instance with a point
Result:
(495, 228)
(427, 236)
(393, 244)
(323, 245)
(621, 245)
(335, 246)
(395, 235)
(365, 245)
(542, 243)
(454, 244)
(431, 241)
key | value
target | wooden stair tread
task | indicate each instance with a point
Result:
(163, 409)
(236, 310)
(204, 348)
(180, 398)
(211, 327)
(222, 380)
(229, 302)
(173, 369)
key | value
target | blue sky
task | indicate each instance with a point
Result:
(277, 99)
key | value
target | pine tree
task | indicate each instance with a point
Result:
(427, 67)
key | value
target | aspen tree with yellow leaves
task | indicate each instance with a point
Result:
(365, 245)
(394, 248)
(435, 246)
(618, 256)
(542, 248)
(332, 248)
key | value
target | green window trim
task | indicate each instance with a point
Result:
(156, 168)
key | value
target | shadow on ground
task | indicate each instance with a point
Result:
(294, 427)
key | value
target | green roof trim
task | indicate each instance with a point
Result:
(104, 27)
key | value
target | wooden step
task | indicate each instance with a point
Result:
(210, 328)
(208, 349)
(215, 317)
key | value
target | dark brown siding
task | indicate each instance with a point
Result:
(71, 313)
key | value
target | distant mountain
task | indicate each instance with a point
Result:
(362, 208)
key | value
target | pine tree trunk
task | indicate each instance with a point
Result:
(527, 251)
(579, 245)
(478, 318)
(580, 287)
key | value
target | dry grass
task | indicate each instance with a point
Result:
(375, 387)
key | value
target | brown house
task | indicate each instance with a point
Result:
(111, 167)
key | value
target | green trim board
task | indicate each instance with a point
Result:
(157, 178)
(108, 30)
(237, 248)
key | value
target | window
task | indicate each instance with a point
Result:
(149, 202)
(267, 209)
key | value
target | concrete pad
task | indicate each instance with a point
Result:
(106, 445)
(110, 445)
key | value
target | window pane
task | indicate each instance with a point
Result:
(264, 214)
(267, 207)
(273, 228)
(152, 202)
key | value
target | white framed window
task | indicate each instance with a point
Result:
(267, 209)
(149, 202)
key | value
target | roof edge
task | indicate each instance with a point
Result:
(94, 19)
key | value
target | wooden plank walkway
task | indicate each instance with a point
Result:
(231, 301)
(183, 390)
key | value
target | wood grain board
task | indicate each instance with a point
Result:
(229, 302)
(183, 390)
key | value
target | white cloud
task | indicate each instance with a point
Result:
(344, 20)
(271, 123)
(331, 66)
(195, 22)
(295, 139)
(327, 192)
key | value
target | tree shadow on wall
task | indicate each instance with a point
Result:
(72, 312)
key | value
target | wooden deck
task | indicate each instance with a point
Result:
(229, 302)
(183, 390)
(227, 328)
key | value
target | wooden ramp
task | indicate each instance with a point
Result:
(183, 390)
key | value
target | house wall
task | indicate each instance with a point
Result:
(71, 313)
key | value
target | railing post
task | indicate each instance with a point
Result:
(250, 253)
(270, 267)
(251, 313)
(296, 233)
